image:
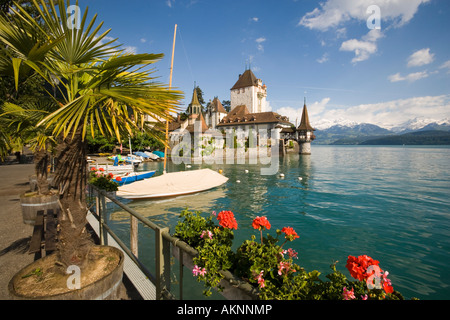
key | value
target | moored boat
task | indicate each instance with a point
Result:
(131, 177)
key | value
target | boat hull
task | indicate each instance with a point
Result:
(133, 177)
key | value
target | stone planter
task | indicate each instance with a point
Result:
(101, 280)
(234, 288)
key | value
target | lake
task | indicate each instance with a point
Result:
(390, 203)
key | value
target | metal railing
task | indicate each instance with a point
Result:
(163, 242)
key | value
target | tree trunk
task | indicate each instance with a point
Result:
(71, 178)
(41, 162)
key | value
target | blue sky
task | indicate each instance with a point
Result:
(322, 50)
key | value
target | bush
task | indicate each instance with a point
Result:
(270, 267)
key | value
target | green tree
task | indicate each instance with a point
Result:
(226, 105)
(99, 87)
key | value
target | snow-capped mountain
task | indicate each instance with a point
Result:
(325, 123)
(343, 131)
(421, 124)
(407, 126)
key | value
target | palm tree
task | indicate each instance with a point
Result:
(19, 125)
(98, 87)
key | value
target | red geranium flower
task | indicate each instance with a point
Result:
(227, 220)
(259, 223)
(357, 266)
(290, 233)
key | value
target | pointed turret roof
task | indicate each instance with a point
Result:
(194, 101)
(247, 79)
(304, 123)
(217, 105)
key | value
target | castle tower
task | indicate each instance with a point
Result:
(305, 133)
(195, 107)
(215, 112)
(249, 91)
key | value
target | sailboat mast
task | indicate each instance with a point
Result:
(170, 87)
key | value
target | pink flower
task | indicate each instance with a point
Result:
(261, 279)
(348, 294)
(198, 271)
(292, 253)
(364, 297)
(207, 232)
(284, 266)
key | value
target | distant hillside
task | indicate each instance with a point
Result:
(414, 132)
(354, 134)
(425, 137)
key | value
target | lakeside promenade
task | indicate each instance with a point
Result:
(15, 235)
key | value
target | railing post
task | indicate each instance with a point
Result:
(98, 210)
(134, 235)
(162, 257)
(181, 261)
(102, 221)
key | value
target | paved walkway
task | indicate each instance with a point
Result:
(14, 234)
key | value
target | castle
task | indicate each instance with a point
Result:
(248, 113)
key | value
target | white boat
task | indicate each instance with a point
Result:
(172, 184)
(151, 155)
(114, 169)
(133, 159)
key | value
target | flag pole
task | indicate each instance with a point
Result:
(170, 87)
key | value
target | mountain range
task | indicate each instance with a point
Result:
(417, 131)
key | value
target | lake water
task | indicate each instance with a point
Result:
(391, 203)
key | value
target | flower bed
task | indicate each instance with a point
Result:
(269, 269)
(98, 178)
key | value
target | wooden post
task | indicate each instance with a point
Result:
(102, 220)
(181, 255)
(98, 210)
(162, 258)
(134, 235)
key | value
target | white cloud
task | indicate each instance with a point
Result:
(420, 58)
(364, 48)
(130, 49)
(170, 3)
(295, 114)
(254, 19)
(333, 13)
(323, 59)
(388, 114)
(409, 77)
(259, 42)
(143, 40)
(446, 65)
